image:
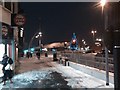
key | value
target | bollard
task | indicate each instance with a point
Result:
(55, 57)
(68, 63)
(60, 60)
(66, 60)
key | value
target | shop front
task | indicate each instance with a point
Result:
(5, 44)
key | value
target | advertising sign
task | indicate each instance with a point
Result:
(19, 20)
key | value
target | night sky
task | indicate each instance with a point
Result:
(59, 20)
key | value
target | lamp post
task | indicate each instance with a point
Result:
(39, 36)
(93, 33)
(104, 10)
(36, 35)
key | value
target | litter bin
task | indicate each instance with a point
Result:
(54, 56)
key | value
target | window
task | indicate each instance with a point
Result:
(8, 5)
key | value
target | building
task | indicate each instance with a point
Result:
(114, 15)
(8, 33)
(112, 32)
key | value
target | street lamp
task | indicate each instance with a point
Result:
(84, 43)
(65, 44)
(93, 33)
(39, 36)
(98, 39)
(36, 35)
(103, 4)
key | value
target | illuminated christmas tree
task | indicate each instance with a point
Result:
(74, 43)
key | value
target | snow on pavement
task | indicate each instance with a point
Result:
(24, 79)
(78, 79)
(75, 78)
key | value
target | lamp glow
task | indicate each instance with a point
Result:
(103, 2)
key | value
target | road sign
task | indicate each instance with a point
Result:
(19, 20)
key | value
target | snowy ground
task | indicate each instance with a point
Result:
(78, 79)
(75, 78)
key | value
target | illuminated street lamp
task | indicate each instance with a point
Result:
(83, 40)
(40, 33)
(36, 35)
(39, 36)
(93, 33)
(103, 4)
(84, 43)
(65, 44)
(98, 39)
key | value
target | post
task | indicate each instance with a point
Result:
(107, 66)
(106, 50)
(116, 60)
(31, 41)
(40, 42)
(13, 51)
(117, 67)
(5, 48)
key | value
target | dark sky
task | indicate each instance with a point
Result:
(59, 20)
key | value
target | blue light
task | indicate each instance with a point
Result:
(25, 51)
(32, 49)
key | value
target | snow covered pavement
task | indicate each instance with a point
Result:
(42, 70)
(78, 79)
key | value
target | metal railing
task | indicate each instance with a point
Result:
(88, 60)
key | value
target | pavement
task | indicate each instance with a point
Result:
(32, 70)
